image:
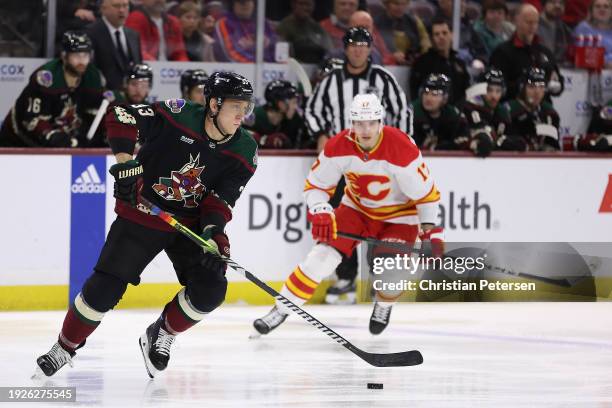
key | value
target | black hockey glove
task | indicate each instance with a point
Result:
(514, 143)
(58, 138)
(126, 180)
(482, 144)
(213, 262)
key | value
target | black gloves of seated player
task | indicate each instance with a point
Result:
(219, 241)
(482, 144)
(126, 180)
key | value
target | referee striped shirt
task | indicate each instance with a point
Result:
(328, 108)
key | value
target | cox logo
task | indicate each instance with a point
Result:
(583, 108)
(12, 69)
(273, 75)
(171, 72)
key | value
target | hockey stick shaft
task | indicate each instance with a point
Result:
(406, 358)
(301, 75)
(403, 247)
(97, 119)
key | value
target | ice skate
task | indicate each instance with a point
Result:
(343, 292)
(155, 345)
(380, 317)
(269, 322)
(50, 363)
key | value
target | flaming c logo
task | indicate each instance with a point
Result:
(606, 202)
(369, 186)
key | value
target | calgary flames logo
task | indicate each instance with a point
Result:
(368, 186)
(182, 185)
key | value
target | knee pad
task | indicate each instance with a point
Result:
(206, 295)
(103, 291)
(321, 261)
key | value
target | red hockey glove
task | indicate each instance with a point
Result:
(323, 222)
(434, 235)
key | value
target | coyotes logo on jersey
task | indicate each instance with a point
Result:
(183, 185)
(368, 186)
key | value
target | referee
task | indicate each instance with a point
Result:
(327, 113)
(327, 110)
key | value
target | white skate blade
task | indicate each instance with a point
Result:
(144, 348)
(254, 335)
(38, 374)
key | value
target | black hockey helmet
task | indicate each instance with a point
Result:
(436, 82)
(279, 90)
(227, 85)
(357, 35)
(494, 77)
(76, 41)
(534, 76)
(191, 78)
(329, 65)
(140, 71)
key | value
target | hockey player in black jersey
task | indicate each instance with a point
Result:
(437, 125)
(487, 118)
(534, 123)
(194, 162)
(136, 85)
(60, 101)
(192, 85)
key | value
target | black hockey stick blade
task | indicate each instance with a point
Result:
(402, 359)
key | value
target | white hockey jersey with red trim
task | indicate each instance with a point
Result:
(389, 183)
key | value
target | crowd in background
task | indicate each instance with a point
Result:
(508, 37)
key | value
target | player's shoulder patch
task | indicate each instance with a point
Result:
(175, 105)
(606, 113)
(44, 78)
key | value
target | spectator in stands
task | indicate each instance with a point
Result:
(337, 24)
(441, 59)
(309, 42)
(196, 46)
(599, 22)
(115, 47)
(278, 123)
(599, 134)
(534, 123)
(554, 34)
(404, 35)
(235, 34)
(438, 125)
(515, 56)
(161, 37)
(470, 47)
(210, 14)
(575, 11)
(493, 28)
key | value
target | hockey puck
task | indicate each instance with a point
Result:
(375, 386)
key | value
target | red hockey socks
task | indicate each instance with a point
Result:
(179, 315)
(80, 321)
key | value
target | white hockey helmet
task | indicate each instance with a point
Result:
(366, 107)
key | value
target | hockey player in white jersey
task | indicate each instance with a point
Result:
(390, 195)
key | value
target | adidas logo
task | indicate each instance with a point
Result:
(88, 182)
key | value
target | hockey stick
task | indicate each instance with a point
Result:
(406, 358)
(97, 119)
(298, 70)
(564, 282)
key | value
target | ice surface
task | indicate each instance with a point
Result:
(476, 355)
